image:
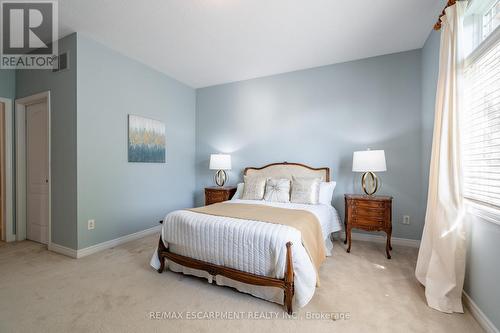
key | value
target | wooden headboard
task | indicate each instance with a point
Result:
(287, 170)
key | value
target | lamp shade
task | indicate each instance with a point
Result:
(368, 160)
(220, 162)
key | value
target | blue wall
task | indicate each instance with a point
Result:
(483, 236)
(91, 176)
(319, 117)
(483, 271)
(430, 69)
(125, 197)
(7, 83)
(62, 86)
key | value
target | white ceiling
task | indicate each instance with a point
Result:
(209, 42)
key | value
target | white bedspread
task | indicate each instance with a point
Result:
(251, 246)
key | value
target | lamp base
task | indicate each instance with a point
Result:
(373, 180)
(220, 177)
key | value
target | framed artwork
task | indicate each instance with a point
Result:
(146, 140)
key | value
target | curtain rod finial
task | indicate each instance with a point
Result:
(437, 26)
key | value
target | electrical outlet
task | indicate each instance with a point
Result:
(91, 224)
(406, 219)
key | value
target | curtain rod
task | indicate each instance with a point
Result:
(437, 26)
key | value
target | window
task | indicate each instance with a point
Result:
(481, 117)
(491, 19)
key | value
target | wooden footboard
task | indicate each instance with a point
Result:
(286, 284)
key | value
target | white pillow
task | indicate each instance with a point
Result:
(326, 192)
(254, 188)
(239, 191)
(305, 190)
(277, 190)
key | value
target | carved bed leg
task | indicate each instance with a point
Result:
(161, 248)
(289, 286)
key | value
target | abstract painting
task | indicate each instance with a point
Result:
(146, 140)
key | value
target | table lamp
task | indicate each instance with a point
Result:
(369, 162)
(221, 163)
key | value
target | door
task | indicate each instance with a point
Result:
(37, 172)
(2, 171)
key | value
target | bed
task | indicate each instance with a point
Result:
(266, 260)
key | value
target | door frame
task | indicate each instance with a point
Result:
(8, 226)
(21, 221)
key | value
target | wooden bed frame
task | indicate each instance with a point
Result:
(287, 283)
(257, 280)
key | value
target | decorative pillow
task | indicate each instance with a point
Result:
(277, 190)
(305, 190)
(326, 192)
(254, 188)
(239, 191)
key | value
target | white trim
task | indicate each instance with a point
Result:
(474, 22)
(9, 216)
(483, 47)
(62, 250)
(479, 315)
(117, 241)
(483, 210)
(382, 239)
(20, 110)
(20, 173)
(102, 246)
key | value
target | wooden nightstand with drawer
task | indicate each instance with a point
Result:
(370, 213)
(218, 194)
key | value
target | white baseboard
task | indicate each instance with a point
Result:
(115, 242)
(381, 239)
(62, 250)
(102, 246)
(479, 315)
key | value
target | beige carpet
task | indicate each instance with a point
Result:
(115, 291)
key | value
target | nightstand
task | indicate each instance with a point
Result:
(218, 194)
(370, 213)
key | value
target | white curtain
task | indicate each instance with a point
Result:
(441, 259)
